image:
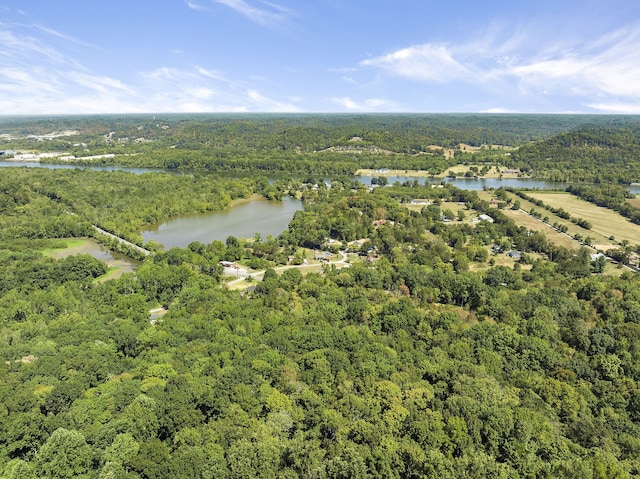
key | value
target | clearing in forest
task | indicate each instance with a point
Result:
(556, 237)
(604, 221)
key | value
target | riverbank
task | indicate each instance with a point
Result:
(457, 170)
(244, 201)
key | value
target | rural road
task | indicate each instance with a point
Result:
(242, 273)
(145, 252)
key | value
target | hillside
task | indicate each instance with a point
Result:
(592, 154)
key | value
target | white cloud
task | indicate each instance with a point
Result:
(268, 104)
(368, 105)
(498, 110)
(618, 108)
(427, 62)
(24, 47)
(347, 103)
(607, 67)
(98, 84)
(36, 77)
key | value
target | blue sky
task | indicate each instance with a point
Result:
(116, 56)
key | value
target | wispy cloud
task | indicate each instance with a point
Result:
(263, 103)
(196, 6)
(38, 78)
(264, 13)
(23, 47)
(607, 68)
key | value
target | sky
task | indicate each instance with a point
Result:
(319, 56)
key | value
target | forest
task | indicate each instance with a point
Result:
(548, 146)
(433, 354)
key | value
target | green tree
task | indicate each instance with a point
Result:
(65, 454)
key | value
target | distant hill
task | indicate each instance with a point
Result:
(591, 153)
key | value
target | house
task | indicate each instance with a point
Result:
(484, 217)
(514, 254)
(321, 255)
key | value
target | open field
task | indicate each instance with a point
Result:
(599, 241)
(73, 246)
(523, 219)
(453, 206)
(385, 172)
(635, 202)
(459, 170)
(605, 222)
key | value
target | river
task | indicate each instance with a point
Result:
(462, 183)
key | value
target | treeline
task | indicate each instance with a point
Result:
(308, 132)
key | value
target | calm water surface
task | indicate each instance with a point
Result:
(62, 166)
(242, 221)
(462, 183)
(101, 252)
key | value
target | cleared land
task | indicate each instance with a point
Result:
(599, 241)
(605, 222)
(635, 202)
(524, 219)
(458, 170)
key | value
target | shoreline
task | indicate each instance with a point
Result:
(425, 174)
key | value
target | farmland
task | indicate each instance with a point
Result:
(605, 222)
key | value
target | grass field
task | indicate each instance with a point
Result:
(605, 221)
(459, 170)
(453, 206)
(73, 244)
(600, 241)
(635, 202)
(523, 219)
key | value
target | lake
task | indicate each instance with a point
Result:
(243, 220)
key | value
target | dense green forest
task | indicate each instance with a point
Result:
(337, 144)
(592, 154)
(424, 358)
(39, 203)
